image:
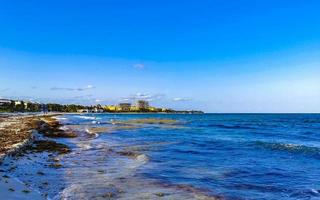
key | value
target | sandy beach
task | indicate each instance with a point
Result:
(11, 188)
(15, 133)
(18, 132)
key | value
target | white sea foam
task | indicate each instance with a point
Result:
(95, 122)
(86, 117)
(60, 118)
(91, 132)
(142, 158)
(84, 146)
(314, 191)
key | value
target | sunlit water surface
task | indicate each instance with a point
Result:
(240, 156)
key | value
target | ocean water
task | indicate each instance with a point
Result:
(228, 156)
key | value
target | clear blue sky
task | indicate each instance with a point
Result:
(213, 55)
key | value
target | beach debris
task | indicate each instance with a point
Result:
(40, 173)
(108, 195)
(49, 146)
(159, 194)
(55, 165)
(50, 127)
(55, 160)
(110, 192)
(26, 191)
(128, 153)
(14, 134)
(101, 171)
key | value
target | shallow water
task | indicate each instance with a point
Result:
(240, 156)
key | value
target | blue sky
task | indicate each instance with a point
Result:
(213, 55)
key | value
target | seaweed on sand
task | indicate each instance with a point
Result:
(49, 146)
(50, 127)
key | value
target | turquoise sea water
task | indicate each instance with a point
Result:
(232, 156)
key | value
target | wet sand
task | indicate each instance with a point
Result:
(20, 132)
(12, 189)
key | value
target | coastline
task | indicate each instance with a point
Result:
(48, 126)
(11, 188)
(19, 132)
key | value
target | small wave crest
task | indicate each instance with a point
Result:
(292, 148)
(60, 118)
(228, 126)
(87, 117)
(85, 146)
(135, 155)
(89, 131)
(305, 193)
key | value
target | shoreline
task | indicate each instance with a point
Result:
(19, 132)
(16, 133)
(48, 126)
(10, 187)
(82, 113)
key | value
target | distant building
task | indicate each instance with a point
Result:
(125, 107)
(26, 105)
(134, 109)
(110, 108)
(5, 101)
(152, 109)
(142, 105)
(83, 110)
(164, 109)
(17, 103)
(97, 110)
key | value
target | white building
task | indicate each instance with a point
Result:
(17, 103)
(5, 101)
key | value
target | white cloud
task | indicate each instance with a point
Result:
(88, 87)
(88, 96)
(143, 96)
(139, 66)
(180, 99)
